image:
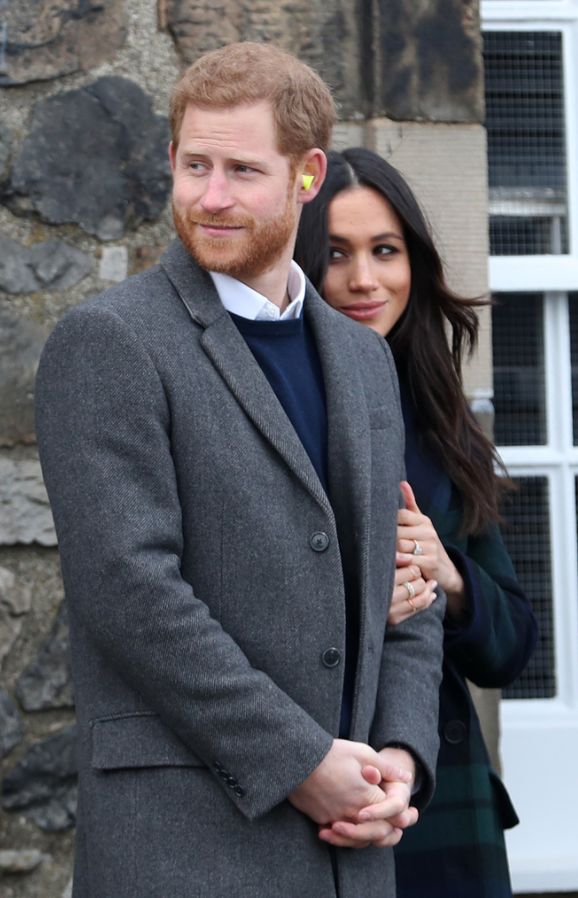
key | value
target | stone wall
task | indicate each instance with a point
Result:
(84, 184)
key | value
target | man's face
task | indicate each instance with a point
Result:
(234, 193)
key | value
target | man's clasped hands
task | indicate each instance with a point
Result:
(359, 796)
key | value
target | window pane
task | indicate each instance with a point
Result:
(526, 142)
(573, 313)
(519, 378)
(528, 540)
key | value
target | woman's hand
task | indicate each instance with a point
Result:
(411, 593)
(418, 544)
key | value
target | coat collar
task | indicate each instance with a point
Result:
(348, 422)
(237, 366)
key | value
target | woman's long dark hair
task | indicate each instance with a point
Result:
(429, 363)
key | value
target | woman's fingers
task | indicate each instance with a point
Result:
(407, 572)
(408, 496)
(404, 604)
(406, 545)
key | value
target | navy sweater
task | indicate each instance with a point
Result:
(287, 354)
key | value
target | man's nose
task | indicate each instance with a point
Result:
(216, 196)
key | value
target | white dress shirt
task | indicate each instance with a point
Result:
(242, 300)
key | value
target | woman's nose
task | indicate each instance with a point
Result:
(363, 276)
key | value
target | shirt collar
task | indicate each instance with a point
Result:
(242, 300)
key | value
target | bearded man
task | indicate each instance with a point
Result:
(222, 452)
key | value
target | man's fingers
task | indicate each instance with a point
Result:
(392, 806)
(339, 841)
(360, 835)
(405, 819)
(392, 773)
(371, 775)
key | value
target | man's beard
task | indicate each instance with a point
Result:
(256, 250)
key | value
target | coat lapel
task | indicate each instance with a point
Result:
(349, 443)
(237, 366)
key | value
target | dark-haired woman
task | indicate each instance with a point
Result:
(366, 247)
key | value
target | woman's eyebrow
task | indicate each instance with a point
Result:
(387, 235)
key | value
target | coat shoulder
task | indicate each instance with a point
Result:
(146, 306)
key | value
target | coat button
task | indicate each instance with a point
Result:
(455, 732)
(331, 657)
(239, 791)
(319, 541)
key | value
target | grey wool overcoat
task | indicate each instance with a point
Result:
(204, 570)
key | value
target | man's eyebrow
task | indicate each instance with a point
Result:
(250, 161)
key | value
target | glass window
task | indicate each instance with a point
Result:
(519, 376)
(528, 542)
(573, 316)
(526, 142)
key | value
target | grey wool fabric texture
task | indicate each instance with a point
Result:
(199, 609)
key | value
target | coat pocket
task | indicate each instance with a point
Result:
(137, 740)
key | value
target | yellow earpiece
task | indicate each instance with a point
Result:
(307, 181)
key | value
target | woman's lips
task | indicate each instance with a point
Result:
(363, 311)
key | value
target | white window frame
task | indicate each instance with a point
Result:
(555, 277)
(552, 722)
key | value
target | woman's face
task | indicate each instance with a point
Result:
(369, 275)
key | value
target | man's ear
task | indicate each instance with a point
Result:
(172, 156)
(311, 174)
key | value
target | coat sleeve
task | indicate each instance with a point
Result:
(411, 671)
(495, 644)
(103, 426)
(408, 697)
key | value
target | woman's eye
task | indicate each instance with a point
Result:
(335, 254)
(384, 250)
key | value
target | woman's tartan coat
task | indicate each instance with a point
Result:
(457, 849)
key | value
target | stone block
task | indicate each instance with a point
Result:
(428, 61)
(11, 727)
(51, 265)
(45, 39)
(21, 342)
(25, 515)
(5, 152)
(42, 786)
(410, 61)
(46, 682)
(15, 602)
(113, 263)
(323, 33)
(96, 157)
(24, 861)
(145, 257)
